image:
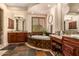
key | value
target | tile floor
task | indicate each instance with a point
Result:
(23, 50)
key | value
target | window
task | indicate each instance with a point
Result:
(38, 24)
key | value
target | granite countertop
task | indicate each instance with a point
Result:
(57, 36)
(16, 31)
(76, 36)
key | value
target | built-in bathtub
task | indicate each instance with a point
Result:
(40, 41)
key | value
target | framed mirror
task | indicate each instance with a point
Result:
(20, 23)
(50, 19)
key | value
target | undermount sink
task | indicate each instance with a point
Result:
(75, 36)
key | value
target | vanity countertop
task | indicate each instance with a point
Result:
(17, 31)
(76, 36)
(57, 36)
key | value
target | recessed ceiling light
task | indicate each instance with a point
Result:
(78, 9)
(32, 12)
(49, 5)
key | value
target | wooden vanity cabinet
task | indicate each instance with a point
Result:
(20, 37)
(56, 43)
(70, 46)
(17, 37)
(11, 37)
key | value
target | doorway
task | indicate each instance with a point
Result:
(1, 25)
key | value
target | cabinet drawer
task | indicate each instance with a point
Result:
(77, 52)
(17, 37)
(67, 48)
(66, 53)
(12, 38)
(72, 40)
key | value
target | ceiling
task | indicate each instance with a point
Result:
(34, 8)
(42, 8)
(21, 5)
(74, 7)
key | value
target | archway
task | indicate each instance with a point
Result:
(1, 25)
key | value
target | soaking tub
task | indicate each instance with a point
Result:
(40, 41)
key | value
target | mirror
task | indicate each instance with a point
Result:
(50, 21)
(71, 23)
(19, 23)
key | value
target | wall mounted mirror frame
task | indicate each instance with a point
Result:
(19, 23)
(50, 21)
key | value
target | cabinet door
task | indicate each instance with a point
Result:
(12, 37)
(68, 50)
(20, 37)
(26, 37)
(77, 51)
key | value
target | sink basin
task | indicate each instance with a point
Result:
(75, 36)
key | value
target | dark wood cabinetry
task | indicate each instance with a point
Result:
(70, 46)
(56, 43)
(67, 45)
(17, 37)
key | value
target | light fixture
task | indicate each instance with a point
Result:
(49, 5)
(77, 9)
(32, 12)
